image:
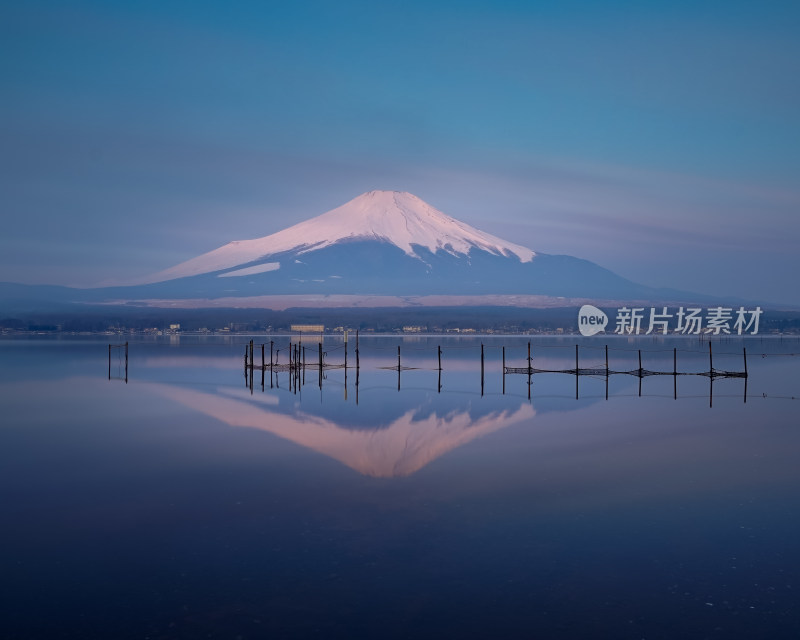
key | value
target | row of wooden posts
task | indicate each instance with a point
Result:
(297, 360)
(298, 363)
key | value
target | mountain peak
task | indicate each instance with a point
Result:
(396, 217)
(406, 220)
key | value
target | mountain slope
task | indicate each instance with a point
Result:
(394, 217)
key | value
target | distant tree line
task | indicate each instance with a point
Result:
(379, 320)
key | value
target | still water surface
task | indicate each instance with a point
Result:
(184, 504)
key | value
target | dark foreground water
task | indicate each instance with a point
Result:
(183, 504)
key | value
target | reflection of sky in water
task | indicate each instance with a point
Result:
(180, 505)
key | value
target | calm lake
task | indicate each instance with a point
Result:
(188, 503)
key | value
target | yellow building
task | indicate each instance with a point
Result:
(308, 328)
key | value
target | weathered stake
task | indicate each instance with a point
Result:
(398, 367)
(481, 369)
(504, 370)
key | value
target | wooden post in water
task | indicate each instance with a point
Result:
(529, 357)
(710, 390)
(439, 353)
(744, 354)
(530, 370)
(296, 367)
(504, 370)
(640, 363)
(320, 365)
(481, 369)
(262, 356)
(577, 369)
(674, 373)
(109, 361)
(710, 360)
(398, 367)
(251, 353)
(357, 361)
(606, 361)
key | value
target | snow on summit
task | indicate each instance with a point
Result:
(397, 217)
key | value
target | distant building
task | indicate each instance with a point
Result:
(413, 329)
(308, 328)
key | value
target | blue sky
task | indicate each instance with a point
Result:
(658, 139)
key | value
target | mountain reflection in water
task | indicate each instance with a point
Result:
(408, 443)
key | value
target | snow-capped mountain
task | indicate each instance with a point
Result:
(380, 243)
(383, 248)
(395, 217)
